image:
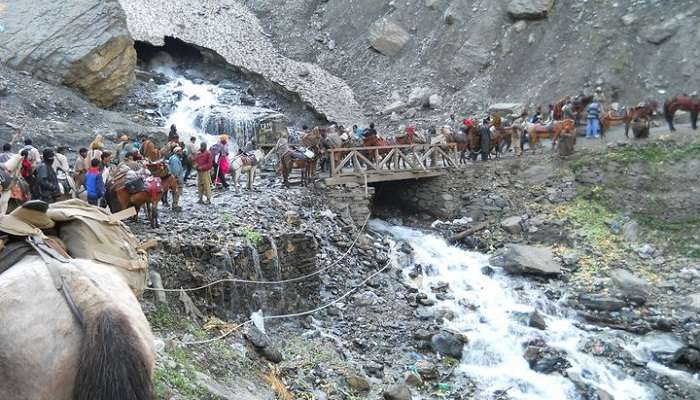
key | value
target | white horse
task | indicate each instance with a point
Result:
(242, 163)
(47, 353)
(11, 168)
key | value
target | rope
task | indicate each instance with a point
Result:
(297, 279)
(294, 315)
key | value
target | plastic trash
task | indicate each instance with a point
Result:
(258, 320)
(443, 387)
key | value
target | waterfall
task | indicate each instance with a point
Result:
(255, 258)
(205, 110)
(276, 258)
(493, 358)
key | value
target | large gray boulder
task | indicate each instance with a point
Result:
(388, 37)
(83, 44)
(529, 9)
(633, 287)
(528, 260)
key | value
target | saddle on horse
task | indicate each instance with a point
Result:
(248, 159)
(548, 128)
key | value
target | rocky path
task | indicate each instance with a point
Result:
(630, 292)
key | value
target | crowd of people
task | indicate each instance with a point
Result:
(46, 172)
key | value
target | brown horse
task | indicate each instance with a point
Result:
(465, 142)
(313, 141)
(149, 151)
(642, 111)
(579, 104)
(685, 103)
(537, 132)
(375, 141)
(159, 169)
(289, 163)
(118, 197)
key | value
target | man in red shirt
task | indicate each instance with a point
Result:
(204, 162)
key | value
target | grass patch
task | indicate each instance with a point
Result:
(179, 378)
(680, 236)
(251, 234)
(656, 153)
(164, 319)
(590, 216)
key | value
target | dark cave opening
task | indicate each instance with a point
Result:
(177, 48)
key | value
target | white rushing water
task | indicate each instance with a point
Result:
(493, 358)
(203, 109)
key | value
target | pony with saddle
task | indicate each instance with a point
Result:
(684, 102)
(578, 105)
(248, 163)
(73, 328)
(553, 131)
(290, 159)
(126, 189)
(466, 141)
(645, 110)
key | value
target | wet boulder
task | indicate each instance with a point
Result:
(83, 44)
(263, 345)
(601, 302)
(512, 225)
(529, 9)
(526, 260)
(537, 321)
(399, 391)
(388, 37)
(688, 356)
(545, 359)
(447, 344)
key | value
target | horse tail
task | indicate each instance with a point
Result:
(113, 364)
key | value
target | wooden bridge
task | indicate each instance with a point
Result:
(365, 165)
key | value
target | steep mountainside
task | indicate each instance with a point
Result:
(474, 52)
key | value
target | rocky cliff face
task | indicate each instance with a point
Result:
(83, 44)
(475, 52)
(232, 31)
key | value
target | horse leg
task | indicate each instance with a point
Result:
(164, 200)
(251, 178)
(694, 119)
(669, 112)
(155, 223)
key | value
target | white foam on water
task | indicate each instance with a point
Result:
(493, 358)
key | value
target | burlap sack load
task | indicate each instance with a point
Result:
(93, 233)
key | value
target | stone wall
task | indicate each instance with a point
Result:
(465, 192)
(349, 201)
(273, 258)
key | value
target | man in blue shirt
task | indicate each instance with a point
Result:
(176, 169)
(593, 127)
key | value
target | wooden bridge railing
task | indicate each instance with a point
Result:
(395, 158)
